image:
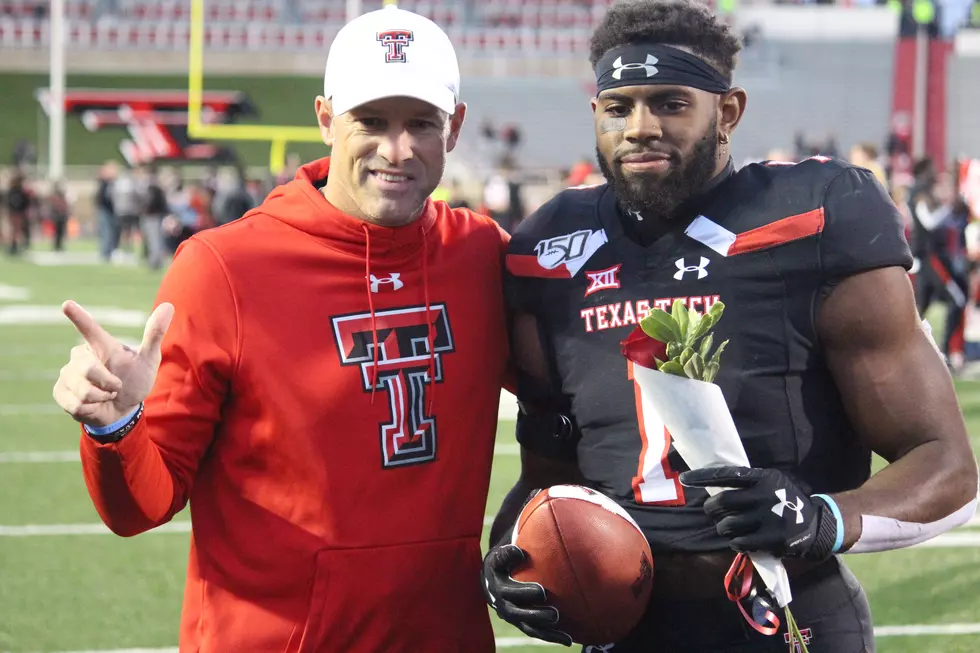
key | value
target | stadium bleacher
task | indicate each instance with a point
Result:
(520, 26)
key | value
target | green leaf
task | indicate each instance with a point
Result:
(674, 349)
(711, 371)
(659, 363)
(657, 330)
(704, 325)
(716, 310)
(690, 370)
(705, 348)
(679, 312)
(716, 357)
(686, 356)
(660, 326)
(672, 367)
(694, 368)
(698, 365)
(693, 324)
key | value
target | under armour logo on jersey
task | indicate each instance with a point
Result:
(605, 648)
(394, 279)
(682, 268)
(603, 279)
(784, 503)
(648, 67)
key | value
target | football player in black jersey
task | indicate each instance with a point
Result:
(827, 362)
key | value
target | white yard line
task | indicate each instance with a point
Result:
(925, 630)
(31, 375)
(107, 316)
(14, 293)
(71, 455)
(957, 540)
(514, 642)
(52, 408)
(59, 259)
(502, 642)
(28, 351)
(98, 528)
(954, 540)
(127, 650)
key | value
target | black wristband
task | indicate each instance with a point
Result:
(118, 434)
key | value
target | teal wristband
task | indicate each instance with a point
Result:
(112, 428)
(839, 542)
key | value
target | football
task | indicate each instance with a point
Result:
(551, 259)
(591, 558)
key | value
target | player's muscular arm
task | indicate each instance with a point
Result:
(900, 397)
(525, 605)
(537, 471)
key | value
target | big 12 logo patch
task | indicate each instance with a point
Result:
(402, 372)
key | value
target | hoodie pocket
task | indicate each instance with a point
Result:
(399, 599)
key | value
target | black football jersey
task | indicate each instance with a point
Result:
(767, 240)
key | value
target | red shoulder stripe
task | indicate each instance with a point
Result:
(779, 232)
(526, 265)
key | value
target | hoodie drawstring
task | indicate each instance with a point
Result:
(430, 336)
(374, 320)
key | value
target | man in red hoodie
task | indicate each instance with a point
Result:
(320, 381)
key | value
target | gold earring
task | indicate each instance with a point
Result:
(723, 139)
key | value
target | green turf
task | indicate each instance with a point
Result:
(91, 592)
(280, 100)
(98, 592)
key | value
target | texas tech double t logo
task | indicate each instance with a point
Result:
(396, 41)
(402, 373)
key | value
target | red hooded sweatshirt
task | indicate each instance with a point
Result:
(337, 496)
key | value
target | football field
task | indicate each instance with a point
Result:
(66, 584)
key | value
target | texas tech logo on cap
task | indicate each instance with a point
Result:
(396, 41)
(409, 436)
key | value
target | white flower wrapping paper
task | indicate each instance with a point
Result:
(704, 434)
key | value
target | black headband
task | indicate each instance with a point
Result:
(654, 63)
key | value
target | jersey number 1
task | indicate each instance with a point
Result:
(655, 483)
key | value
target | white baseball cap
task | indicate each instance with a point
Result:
(387, 53)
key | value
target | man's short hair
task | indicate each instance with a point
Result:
(670, 22)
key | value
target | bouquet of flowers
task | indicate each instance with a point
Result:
(675, 368)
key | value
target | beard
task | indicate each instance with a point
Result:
(659, 197)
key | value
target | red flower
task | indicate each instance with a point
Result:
(642, 349)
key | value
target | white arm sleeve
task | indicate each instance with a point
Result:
(885, 533)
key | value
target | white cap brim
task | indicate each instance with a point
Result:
(435, 94)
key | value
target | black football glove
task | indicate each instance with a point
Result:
(518, 603)
(766, 511)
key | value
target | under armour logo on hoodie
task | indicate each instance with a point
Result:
(393, 279)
